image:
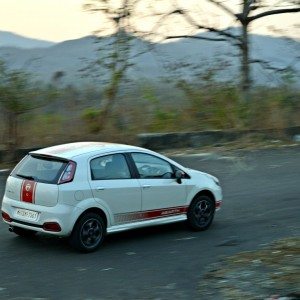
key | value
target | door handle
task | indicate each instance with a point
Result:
(100, 188)
(146, 186)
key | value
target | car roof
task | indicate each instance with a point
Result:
(68, 151)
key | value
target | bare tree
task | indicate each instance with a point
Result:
(115, 57)
(247, 12)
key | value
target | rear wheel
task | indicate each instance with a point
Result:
(88, 233)
(23, 232)
(201, 212)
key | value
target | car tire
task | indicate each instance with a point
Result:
(88, 233)
(23, 232)
(201, 213)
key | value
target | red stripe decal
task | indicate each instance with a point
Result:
(150, 214)
(28, 191)
(164, 212)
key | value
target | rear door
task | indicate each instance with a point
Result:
(112, 182)
(34, 180)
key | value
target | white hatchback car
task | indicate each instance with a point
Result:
(87, 190)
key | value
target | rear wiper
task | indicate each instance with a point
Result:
(25, 177)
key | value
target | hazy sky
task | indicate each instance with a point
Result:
(54, 20)
(58, 20)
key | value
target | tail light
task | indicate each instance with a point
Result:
(68, 174)
(51, 226)
(6, 217)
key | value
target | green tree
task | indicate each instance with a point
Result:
(17, 97)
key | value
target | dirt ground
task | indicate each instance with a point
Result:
(272, 272)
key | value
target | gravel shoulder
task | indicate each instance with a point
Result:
(272, 272)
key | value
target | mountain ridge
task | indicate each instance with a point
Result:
(11, 39)
(70, 56)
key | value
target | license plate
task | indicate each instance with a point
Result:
(27, 214)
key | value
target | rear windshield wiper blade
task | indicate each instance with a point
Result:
(25, 177)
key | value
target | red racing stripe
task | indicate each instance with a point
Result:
(28, 191)
(150, 214)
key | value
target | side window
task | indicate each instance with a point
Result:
(110, 167)
(150, 166)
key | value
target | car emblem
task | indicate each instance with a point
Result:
(28, 187)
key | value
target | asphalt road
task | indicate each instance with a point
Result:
(261, 204)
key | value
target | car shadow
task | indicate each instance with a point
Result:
(153, 232)
(38, 244)
(42, 243)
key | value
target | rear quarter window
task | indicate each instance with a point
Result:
(40, 169)
(110, 167)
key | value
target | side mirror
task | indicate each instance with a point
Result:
(179, 175)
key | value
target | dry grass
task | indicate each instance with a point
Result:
(212, 107)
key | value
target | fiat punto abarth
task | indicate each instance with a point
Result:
(87, 190)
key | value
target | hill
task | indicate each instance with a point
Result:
(9, 39)
(165, 59)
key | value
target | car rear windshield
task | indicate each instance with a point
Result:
(40, 169)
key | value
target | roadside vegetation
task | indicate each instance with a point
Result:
(34, 115)
(117, 109)
(203, 103)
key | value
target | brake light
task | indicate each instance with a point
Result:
(6, 217)
(68, 173)
(51, 226)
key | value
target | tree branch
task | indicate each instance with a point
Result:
(266, 65)
(196, 37)
(247, 8)
(191, 21)
(274, 12)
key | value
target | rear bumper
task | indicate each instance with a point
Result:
(60, 214)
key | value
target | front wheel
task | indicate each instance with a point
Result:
(201, 213)
(88, 233)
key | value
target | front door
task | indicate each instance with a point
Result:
(162, 195)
